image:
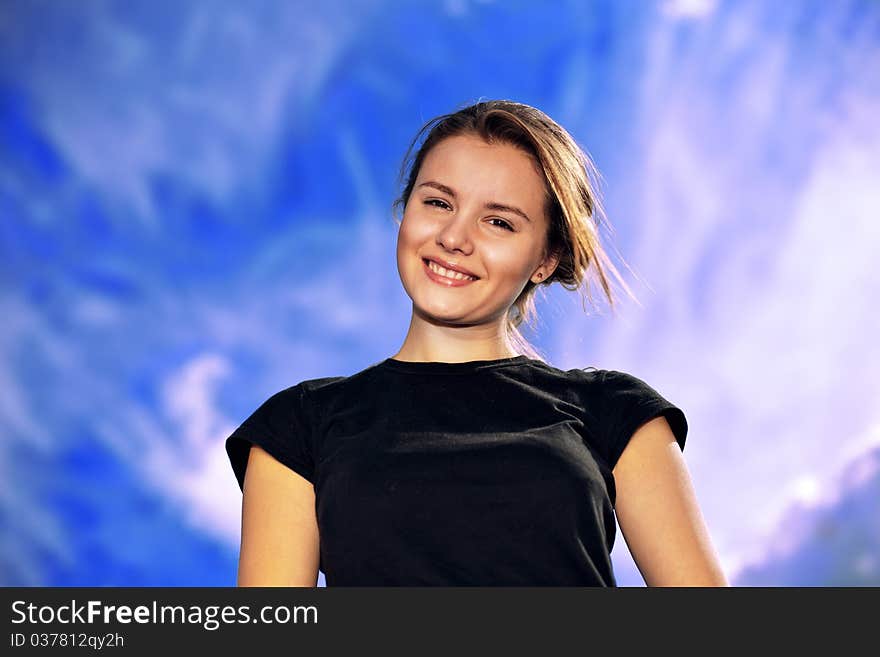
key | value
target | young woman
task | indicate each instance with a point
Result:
(465, 459)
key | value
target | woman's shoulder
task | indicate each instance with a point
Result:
(312, 385)
(326, 389)
(586, 374)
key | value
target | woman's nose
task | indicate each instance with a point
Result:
(455, 234)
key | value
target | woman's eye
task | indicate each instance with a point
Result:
(436, 200)
(505, 225)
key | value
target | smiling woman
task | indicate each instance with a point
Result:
(512, 169)
(465, 459)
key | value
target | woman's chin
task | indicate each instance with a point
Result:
(440, 312)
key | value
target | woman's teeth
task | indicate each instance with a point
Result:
(448, 273)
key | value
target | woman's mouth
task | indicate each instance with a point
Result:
(444, 276)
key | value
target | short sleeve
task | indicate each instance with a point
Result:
(280, 426)
(628, 403)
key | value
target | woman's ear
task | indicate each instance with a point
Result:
(546, 269)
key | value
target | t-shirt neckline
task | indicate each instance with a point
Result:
(439, 367)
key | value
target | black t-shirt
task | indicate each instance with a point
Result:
(481, 473)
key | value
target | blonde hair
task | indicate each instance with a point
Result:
(572, 205)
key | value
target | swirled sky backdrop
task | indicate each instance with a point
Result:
(195, 213)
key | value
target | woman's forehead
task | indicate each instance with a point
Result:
(472, 164)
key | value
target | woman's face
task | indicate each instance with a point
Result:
(456, 213)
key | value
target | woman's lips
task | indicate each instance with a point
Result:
(443, 280)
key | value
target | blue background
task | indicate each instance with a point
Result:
(195, 212)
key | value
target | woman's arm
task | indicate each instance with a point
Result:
(279, 530)
(658, 513)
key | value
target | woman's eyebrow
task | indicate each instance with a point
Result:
(500, 207)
